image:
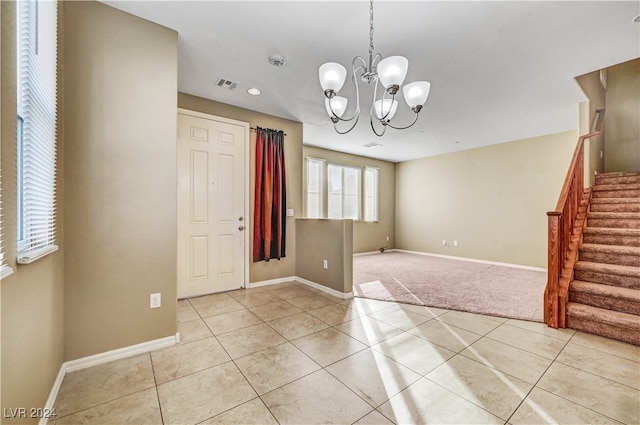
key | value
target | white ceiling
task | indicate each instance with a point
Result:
(499, 71)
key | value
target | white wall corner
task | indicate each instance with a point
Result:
(342, 295)
(272, 281)
(97, 359)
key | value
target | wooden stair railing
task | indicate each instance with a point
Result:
(565, 232)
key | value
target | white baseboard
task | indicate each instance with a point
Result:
(53, 394)
(344, 296)
(272, 281)
(120, 353)
(96, 359)
(473, 260)
(360, 254)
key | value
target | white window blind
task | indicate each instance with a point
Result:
(315, 180)
(4, 269)
(370, 194)
(37, 83)
(343, 192)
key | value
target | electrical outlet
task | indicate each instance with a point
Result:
(155, 300)
(444, 242)
(387, 238)
(455, 243)
(325, 264)
(601, 155)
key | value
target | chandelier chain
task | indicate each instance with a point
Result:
(371, 28)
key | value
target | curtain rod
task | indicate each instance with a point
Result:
(254, 129)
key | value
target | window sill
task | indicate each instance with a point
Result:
(5, 271)
(31, 256)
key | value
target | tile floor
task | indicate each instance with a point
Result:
(290, 354)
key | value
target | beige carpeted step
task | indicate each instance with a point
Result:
(607, 236)
(618, 220)
(610, 254)
(615, 205)
(617, 178)
(625, 300)
(629, 190)
(611, 324)
(608, 274)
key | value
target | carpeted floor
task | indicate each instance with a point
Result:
(449, 283)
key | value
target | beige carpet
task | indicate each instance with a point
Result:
(449, 283)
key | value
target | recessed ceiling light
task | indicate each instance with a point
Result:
(254, 91)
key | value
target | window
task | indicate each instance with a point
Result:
(343, 192)
(315, 180)
(370, 194)
(36, 115)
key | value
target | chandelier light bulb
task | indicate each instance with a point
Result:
(416, 93)
(385, 109)
(332, 76)
(392, 71)
(336, 105)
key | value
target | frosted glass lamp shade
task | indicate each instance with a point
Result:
(392, 71)
(416, 93)
(385, 107)
(332, 76)
(336, 105)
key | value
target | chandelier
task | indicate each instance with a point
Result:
(389, 72)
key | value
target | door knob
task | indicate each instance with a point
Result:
(241, 228)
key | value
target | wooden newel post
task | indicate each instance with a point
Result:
(554, 268)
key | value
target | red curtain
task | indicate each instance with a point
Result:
(269, 220)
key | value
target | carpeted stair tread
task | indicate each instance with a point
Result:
(614, 220)
(610, 254)
(630, 191)
(611, 236)
(610, 231)
(612, 269)
(614, 215)
(615, 200)
(615, 187)
(618, 174)
(628, 294)
(624, 300)
(618, 179)
(601, 315)
(611, 249)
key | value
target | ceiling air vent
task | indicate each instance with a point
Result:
(225, 84)
(372, 145)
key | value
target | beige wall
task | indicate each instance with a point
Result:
(285, 267)
(493, 200)
(622, 120)
(321, 239)
(120, 193)
(595, 91)
(366, 236)
(32, 297)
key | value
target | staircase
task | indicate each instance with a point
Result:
(604, 297)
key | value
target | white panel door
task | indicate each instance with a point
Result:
(211, 205)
